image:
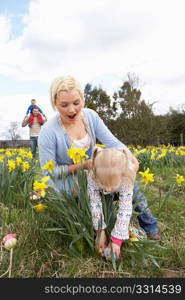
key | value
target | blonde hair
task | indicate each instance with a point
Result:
(110, 165)
(64, 83)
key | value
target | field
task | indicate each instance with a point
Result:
(54, 232)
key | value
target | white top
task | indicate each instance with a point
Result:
(35, 128)
(82, 143)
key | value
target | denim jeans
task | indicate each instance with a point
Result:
(145, 218)
(33, 144)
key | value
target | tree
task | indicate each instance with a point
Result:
(161, 133)
(13, 131)
(176, 126)
(135, 123)
(98, 100)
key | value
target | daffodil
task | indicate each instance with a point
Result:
(49, 166)
(2, 157)
(179, 179)
(163, 154)
(22, 153)
(181, 152)
(40, 187)
(77, 154)
(45, 178)
(153, 153)
(18, 160)
(8, 153)
(25, 166)
(146, 176)
(40, 207)
(29, 155)
(11, 164)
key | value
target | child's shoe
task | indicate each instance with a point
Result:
(155, 236)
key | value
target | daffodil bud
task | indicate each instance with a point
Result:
(9, 241)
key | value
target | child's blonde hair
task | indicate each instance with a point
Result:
(109, 166)
(64, 83)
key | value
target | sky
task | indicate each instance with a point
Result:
(97, 42)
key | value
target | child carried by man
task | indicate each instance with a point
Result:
(30, 110)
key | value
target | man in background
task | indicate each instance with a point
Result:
(34, 121)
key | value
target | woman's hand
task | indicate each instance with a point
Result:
(87, 164)
(100, 242)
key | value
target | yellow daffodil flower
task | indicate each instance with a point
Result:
(25, 166)
(18, 160)
(49, 166)
(40, 187)
(163, 154)
(77, 154)
(22, 153)
(2, 157)
(8, 153)
(29, 155)
(179, 179)
(11, 165)
(153, 153)
(146, 176)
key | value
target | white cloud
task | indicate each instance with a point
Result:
(5, 29)
(99, 40)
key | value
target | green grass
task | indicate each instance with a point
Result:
(43, 248)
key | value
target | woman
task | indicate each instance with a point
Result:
(77, 126)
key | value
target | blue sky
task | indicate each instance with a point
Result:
(99, 42)
(14, 9)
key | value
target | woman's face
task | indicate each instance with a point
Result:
(69, 105)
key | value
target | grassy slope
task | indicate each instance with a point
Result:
(45, 254)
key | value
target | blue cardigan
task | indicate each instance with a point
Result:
(54, 143)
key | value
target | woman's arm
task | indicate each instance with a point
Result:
(86, 164)
(47, 144)
(105, 136)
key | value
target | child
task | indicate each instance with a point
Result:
(31, 107)
(111, 172)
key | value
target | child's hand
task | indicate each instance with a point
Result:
(100, 242)
(116, 250)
